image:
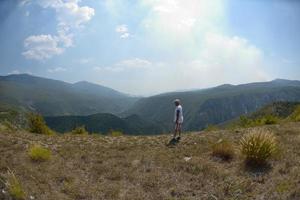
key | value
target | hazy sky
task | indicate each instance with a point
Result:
(150, 46)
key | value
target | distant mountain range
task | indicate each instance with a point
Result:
(215, 105)
(85, 103)
(52, 97)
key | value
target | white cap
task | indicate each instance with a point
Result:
(176, 101)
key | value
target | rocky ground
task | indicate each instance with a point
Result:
(143, 167)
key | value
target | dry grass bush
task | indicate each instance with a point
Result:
(295, 116)
(13, 186)
(258, 146)
(37, 125)
(223, 149)
(115, 133)
(80, 131)
(39, 153)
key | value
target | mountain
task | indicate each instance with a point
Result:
(277, 109)
(215, 105)
(52, 97)
(103, 123)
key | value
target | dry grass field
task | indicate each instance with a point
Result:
(93, 167)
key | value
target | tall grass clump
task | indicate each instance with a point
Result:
(295, 116)
(258, 146)
(223, 149)
(37, 125)
(39, 153)
(79, 131)
(211, 127)
(114, 133)
(14, 187)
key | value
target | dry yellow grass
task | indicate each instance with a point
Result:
(143, 167)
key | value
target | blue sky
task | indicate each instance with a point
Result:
(145, 47)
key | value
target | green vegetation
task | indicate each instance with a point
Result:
(246, 122)
(212, 128)
(115, 133)
(103, 123)
(209, 106)
(14, 187)
(295, 116)
(39, 153)
(79, 131)
(52, 97)
(38, 125)
(258, 146)
(223, 149)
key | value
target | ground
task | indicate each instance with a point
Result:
(97, 167)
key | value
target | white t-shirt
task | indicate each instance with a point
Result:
(180, 118)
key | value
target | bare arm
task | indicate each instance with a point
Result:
(177, 116)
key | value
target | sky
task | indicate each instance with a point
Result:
(146, 47)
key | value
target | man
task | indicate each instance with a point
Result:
(178, 119)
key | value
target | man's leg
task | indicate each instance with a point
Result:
(179, 130)
(175, 131)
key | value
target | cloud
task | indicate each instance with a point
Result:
(123, 31)
(40, 47)
(57, 69)
(70, 16)
(127, 65)
(223, 59)
(14, 72)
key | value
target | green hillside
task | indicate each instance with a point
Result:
(103, 123)
(215, 105)
(51, 97)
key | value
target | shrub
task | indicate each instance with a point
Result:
(211, 127)
(116, 133)
(80, 131)
(295, 116)
(269, 119)
(223, 149)
(39, 153)
(258, 146)
(14, 187)
(38, 125)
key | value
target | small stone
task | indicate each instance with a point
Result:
(187, 158)
(31, 197)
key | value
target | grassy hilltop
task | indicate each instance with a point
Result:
(143, 167)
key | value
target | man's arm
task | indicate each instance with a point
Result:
(177, 116)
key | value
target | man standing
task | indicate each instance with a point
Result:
(178, 119)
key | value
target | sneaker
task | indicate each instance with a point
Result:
(178, 138)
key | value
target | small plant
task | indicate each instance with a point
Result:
(116, 133)
(80, 131)
(295, 116)
(269, 119)
(39, 153)
(211, 127)
(14, 187)
(223, 149)
(37, 125)
(258, 146)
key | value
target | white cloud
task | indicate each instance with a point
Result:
(70, 16)
(178, 21)
(40, 47)
(129, 65)
(123, 31)
(223, 59)
(57, 69)
(14, 72)
(85, 60)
